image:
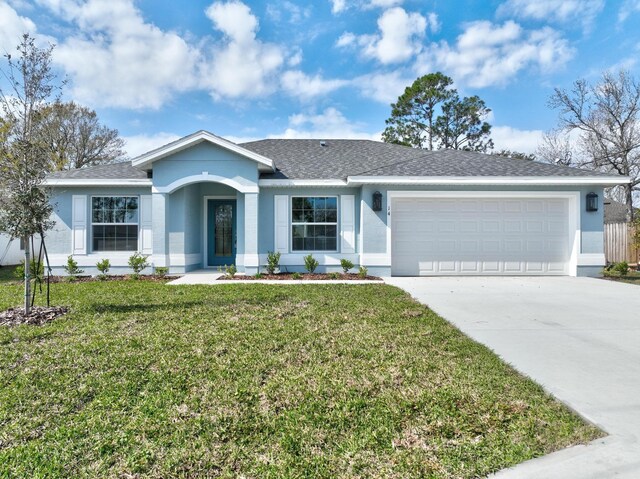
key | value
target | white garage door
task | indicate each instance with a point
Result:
(483, 236)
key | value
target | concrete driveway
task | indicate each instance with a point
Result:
(577, 337)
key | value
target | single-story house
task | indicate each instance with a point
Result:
(205, 202)
(11, 251)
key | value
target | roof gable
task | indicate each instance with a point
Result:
(145, 161)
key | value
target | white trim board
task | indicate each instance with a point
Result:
(205, 177)
(451, 181)
(145, 160)
(55, 182)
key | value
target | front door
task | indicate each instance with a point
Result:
(221, 232)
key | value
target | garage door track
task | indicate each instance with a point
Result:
(577, 337)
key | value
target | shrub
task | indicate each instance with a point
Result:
(363, 272)
(310, 263)
(258, 275)
(621, 268)
(334, 275)
(71, 268)
(230, 271)
(161, 271)
(137, 262)
(346, 265)
(616, 269)
(37, 275)
(296, 275)
(273, 262)
(103, 266)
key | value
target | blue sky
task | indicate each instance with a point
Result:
(159, 69)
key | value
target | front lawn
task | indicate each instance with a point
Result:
(632, 277)
(7, 273)
(142, 379)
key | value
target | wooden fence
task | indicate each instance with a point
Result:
(617, 243)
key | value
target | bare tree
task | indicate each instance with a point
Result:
(556, 149)
(73, 137)
(607, 117)
(24, 204)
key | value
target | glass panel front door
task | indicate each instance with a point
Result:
(221, 234)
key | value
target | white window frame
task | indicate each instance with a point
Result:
(91, 224)
(292, 224)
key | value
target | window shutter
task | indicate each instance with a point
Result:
(146, 225)
(347, 223)
(281, 214)
(79, 224)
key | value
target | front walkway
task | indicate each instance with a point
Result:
(577, 337)
(201, 276)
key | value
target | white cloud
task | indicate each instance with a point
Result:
(119, 60)
(399, 38)
(628, 8)
(242, 66)
(299, 84)
(338, 6)
(331, 123)
(383, 87)
(12, 26)
(508, 138)
(489, 54)
(558, 11)
(384, 3)
(294, 13)
(138, 144)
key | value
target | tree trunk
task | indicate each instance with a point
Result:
(628, 199)
(27, 275)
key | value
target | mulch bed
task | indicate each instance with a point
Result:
(109, 277)
(304, 277)
(38, 315)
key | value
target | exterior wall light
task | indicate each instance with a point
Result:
(377, 201)
(592, 202)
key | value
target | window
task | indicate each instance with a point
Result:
(314, 223)
(114, 223)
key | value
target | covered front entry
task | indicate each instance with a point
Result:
(221, 230)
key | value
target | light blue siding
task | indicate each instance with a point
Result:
(205, 157)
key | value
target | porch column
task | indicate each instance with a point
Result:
(251, 258)
(160, 252)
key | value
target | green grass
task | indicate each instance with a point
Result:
(7, 274)
(146, 380)
(632, 277)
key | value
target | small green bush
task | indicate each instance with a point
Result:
(103, 266)
(334, 275)
(296, 275)
(310, 263)
(616, 269)
(346, 265)
(230, 271)
(273, 262)
(37, 275)
(161, 271)
(71, 268)
(363, 272)
(258, 275)
(137, 262)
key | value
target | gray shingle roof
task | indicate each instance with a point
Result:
(308, 159)
(338, 159)
(115, 171)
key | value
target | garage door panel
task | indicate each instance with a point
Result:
(488, 236)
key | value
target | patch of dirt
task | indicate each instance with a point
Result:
(303, 277)
(38, 315)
